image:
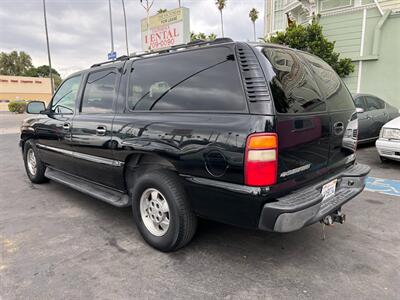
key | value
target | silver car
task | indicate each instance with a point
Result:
(372, 113)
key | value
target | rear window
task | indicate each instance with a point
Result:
(332, 87)
(303, 83)
(201, 80)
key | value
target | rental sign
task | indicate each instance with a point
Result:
(166, 29)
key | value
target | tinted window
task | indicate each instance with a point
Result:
(374, 103)
(99, 92)
(65, 97)
(293, 87)
(333, 89)
(201, 80)
(359, 102)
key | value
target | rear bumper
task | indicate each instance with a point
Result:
(306, 206)
(388, 149)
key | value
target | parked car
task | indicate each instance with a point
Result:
(255, 135)
(388, 144)
(373, 113)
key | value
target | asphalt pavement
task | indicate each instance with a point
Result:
(57, 243)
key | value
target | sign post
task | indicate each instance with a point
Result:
(166, 29)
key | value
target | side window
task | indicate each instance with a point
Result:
(99, 92)
(374, 103)
(64, 100)
(359, 102)
(200, 80)
(293, 87)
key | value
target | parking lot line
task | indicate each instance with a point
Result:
(383, 186)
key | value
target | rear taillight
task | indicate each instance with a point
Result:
(261, 159)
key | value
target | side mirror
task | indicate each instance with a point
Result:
(35, 107)
(359, 110)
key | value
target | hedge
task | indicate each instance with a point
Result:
(17, 107)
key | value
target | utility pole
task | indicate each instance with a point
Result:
(147, 8)
(126, 28)
(48, 46)
(111, 26)
(179, 3)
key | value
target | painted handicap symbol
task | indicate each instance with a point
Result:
(384, 186)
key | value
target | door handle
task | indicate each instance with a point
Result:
(66, 126)
(101, 130)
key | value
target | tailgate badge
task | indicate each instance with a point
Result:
(294, 171)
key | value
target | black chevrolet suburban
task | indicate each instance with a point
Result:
(254, 135)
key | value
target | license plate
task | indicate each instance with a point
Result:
(329, 189)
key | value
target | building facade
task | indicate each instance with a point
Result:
(367, 31)
(24, 89)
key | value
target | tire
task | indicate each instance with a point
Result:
(171, 197)
(34, 167)
(383, 159)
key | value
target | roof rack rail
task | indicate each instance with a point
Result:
(120, 58)
(191, 44)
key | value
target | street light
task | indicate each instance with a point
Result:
(48, 46)
(147, 8)
(126, 28)
(111, 27)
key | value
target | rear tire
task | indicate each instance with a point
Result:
(162, 211)
(34, 167)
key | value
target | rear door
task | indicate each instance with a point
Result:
(302, 118)
(92, 139)
(343, 118)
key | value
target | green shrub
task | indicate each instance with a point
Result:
(17, 107)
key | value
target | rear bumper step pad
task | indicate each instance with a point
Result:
(306, 206)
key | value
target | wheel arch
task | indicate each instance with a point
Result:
(144, 162)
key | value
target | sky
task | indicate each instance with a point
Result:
(79, 30)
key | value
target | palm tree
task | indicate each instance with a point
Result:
(15, 63)
(212, 36)
(221, 5)
(253, 17)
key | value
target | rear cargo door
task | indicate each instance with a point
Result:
(343, 118)
(303, 122)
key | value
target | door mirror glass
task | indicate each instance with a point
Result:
(359, 110)
(35, 107)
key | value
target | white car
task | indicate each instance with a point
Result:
(388, 144)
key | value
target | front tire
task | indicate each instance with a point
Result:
(162, 211)
(34, 167)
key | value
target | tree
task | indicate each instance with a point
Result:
(161, 11)
(44, 71)
(202, 36)
(253, 17)
(311, 39)
(15, 63)
(221, 5)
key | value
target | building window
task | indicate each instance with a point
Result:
(334, 4)
(366, 2)
(279, 16)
